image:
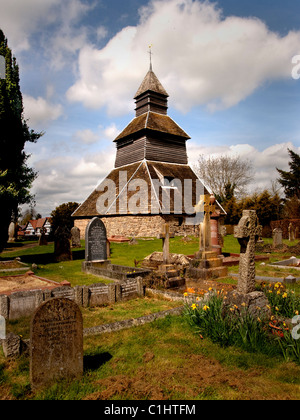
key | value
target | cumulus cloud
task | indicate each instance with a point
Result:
(200, 57)
(40, 111)
(264, 161)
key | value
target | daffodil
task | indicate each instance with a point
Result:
(194, 306)
(185, 294)
(284, 295)
(205, 308)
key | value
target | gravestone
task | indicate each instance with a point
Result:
(247, 232)
(11, 232)
(62, 246)
(277, 237)
(291, 232)
(43, 238)
(56, 337)
(95, 241)
(75, 237)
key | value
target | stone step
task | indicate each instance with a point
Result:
(175, 282)
(208, 255)
(215, 262)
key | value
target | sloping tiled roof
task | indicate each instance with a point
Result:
(151, 83)
(155, 122)
(146, 171)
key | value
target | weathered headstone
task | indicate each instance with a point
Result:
(56, 337)
(291, 232)
(43, 238)
(11, 232)
(62, 246)
(277, 237)
(95, 241)
(75, 237)
(247, 232)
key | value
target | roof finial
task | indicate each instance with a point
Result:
(150, 53)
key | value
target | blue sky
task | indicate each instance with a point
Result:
(226, 66)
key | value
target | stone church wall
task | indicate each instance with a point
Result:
(140, 226)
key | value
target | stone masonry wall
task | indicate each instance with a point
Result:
(140, 226)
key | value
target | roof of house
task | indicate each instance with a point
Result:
(39, 223)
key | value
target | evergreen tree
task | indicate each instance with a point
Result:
(15, 176)
(290, 180)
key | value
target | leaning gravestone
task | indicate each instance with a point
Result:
(95, 241)
(56, 338)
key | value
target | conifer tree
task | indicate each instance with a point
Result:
(15, 175)
(290, 180)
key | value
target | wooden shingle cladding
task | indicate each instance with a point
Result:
(151, 136)
(149, 174)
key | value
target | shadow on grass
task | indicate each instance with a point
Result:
(46, 258)
(95, 361)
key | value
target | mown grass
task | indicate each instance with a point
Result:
(161, 360)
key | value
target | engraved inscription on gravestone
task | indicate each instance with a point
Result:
(2, 67)
(56, 338)
(96, 241)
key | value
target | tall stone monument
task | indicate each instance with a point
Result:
(247, 233)
(56, 337)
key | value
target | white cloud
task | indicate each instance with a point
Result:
(264, 162)
(86, 136)
(200, 57)
(39, 111)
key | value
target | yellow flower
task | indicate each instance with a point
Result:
(297, 312)
(258, 319)
(194, 306)
(210, 289)
(276, 308)
(231, 309)
(244, 304)
(205, 308)
(197, 299)
(284, 295)
(185, 294)
(278, 292)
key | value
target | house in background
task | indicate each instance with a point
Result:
(33, 227)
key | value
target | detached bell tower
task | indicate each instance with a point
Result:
(152, 135)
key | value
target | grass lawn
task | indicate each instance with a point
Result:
(161, 360)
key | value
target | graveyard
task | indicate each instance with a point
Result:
(146, 347)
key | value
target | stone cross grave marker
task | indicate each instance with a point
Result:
(291, 232)
(56, 337)
(247, 232)
(204, 228)
(75, 237)
(165, 236)
(95, 241)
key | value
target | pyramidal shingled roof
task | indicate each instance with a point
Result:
(151, 83)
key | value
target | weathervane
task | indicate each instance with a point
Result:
(150, 53)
